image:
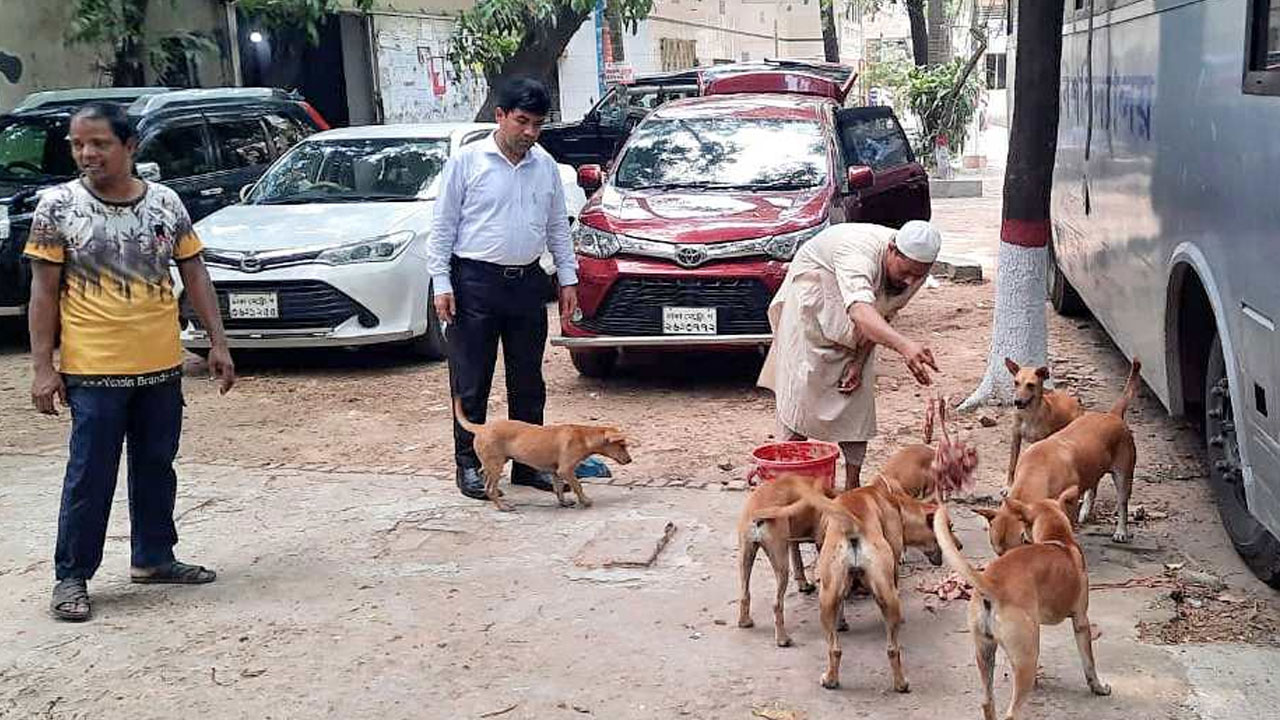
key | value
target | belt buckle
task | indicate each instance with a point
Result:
(512, 272)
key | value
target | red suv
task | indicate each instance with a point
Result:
(686, 240)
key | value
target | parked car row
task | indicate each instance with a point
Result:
(320, 239)
(328, 248)
(205, 144)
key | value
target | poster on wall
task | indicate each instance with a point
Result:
(416, 79)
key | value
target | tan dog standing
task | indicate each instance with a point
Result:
(909, 470)
(862, 533)
(1075, 457)
(1042, 583)
(1039, 412)
(776, 535)
(553, 448)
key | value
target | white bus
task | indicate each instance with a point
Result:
(1166, 218)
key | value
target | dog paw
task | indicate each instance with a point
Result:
(506, 508)
(842, 626)
(830, 683)
(807, 588)
(1121, 537)
(784, 641)
(567, 503)
(1101, 689)
(587, 503)
(746, 622)
(902, 687)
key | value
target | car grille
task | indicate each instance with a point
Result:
(634, 305)
(302, 303)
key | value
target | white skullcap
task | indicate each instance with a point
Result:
(919, 241)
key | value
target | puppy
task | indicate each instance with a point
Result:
(553, 448)
(775, 535)
(1076, 456)
(1042, 583)
(863, 532)
(1040, 412)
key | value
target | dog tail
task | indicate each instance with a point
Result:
(462, 417)
(1130, 390)
(810, 497)
(951, 553)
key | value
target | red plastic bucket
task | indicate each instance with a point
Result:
(808, 458)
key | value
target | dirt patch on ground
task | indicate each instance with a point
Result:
(1200, 609)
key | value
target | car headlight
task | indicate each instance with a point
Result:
(378, 249)
(784, 247)
(594, 243)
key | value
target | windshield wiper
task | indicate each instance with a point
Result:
(678, 186)
(306, 199)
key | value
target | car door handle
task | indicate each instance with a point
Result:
(212, 192)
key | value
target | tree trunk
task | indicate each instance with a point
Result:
(613, 19)
(939, 36)
(830, 39)
(1019, 328)
(129, 69)
(537, 58)
(919, 32)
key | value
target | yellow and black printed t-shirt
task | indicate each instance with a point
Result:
(119, 316)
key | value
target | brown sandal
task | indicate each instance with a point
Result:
(175, 573)
(71, 600)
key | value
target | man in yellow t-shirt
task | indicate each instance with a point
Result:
(101, 247)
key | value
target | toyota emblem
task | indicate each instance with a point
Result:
(690, 256)
(250, 263)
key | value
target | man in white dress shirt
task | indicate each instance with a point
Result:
(500, 207)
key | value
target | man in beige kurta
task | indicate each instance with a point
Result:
(841, 292)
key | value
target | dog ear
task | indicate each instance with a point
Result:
(615, 437)
(987, 513)
(1019, 508)
(1042, 372)
(1069, 496)
(1013, 366)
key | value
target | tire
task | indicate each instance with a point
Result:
(432, 344)
(1257, 547)
(1062, 296)
(594, 363)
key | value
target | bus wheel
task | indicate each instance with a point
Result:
(1258, 547)
(1064, 298)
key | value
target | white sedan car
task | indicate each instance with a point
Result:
(329, 246)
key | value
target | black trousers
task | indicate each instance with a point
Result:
(495, 303)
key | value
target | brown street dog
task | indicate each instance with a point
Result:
(776, 536)
(553, 448)
(1039, 412)
(862, 535)
(1042, 583)
(1076, 456)
(909, 471)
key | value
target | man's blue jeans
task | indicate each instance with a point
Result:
(150, 418)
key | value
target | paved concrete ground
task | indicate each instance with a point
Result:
(356, 596)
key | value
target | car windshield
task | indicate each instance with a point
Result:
(34, 149)
(332, 171)
(712, 152)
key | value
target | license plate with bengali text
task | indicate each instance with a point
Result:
(688, 321)
(253, 306)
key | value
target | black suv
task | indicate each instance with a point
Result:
(596, 138)
(205, 144)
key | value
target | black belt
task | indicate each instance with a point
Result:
(509, 272)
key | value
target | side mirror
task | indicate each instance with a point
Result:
(861, 177)
(148, 171)
(244, 192)
(590, 178)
